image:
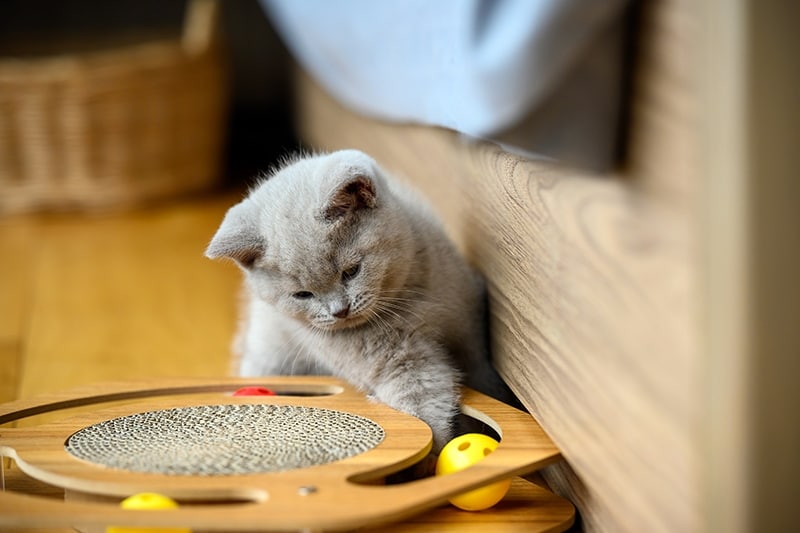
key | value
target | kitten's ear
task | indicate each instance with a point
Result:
(357, 192)
(237, 237)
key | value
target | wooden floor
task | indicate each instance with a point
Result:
(91, 298)
(102, 297)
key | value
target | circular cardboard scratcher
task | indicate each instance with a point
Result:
(225, 440)
(312, 457)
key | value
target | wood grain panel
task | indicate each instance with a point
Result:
(591, 281)
(751, 196)
(590, 322)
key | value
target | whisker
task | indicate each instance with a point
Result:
(394, 292)
(399, 309)
(380, 322)
(394, 313)
(402, 289)
(302, 344)
(298, 348)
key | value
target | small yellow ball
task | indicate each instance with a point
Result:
(149, 501)
(465, 451)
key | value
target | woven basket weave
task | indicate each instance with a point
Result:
(114, 127)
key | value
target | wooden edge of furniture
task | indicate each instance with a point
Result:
(646, 316)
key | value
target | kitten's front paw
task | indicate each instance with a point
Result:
(437, 408)
(426, 467)
(423, 469)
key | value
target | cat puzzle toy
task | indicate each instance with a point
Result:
(313, 456)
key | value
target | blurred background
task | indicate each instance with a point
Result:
(160, 97)
(107, 105)
(126, 131)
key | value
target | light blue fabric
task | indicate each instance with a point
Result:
(476, 66)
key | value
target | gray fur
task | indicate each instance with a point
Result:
(395, 310)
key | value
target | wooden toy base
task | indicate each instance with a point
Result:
(47, 486)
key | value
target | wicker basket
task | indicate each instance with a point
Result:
(114, 127)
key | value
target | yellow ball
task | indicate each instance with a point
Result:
(465, 451)
(149, 501)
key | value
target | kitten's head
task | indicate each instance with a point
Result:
(322, 239)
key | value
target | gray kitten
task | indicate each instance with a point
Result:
(350, 274)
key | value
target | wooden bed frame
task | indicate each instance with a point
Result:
(630, 310)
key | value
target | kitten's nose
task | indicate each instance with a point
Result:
(343, 312)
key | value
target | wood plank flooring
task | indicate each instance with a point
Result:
(86, 298)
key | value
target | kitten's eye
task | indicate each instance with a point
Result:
(302, 295)
(351, 272)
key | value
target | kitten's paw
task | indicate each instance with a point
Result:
(422, 469)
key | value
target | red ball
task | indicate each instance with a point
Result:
(253, 391)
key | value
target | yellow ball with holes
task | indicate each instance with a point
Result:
(465, 451)
(148, 501)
